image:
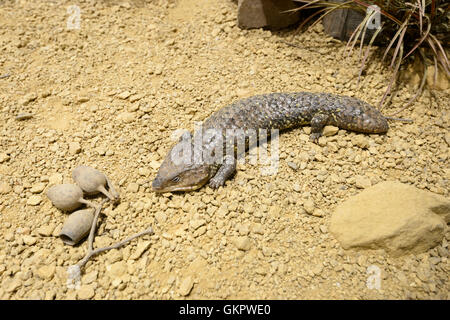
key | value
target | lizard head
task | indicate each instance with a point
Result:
(179, 172)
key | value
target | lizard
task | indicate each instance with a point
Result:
(185, 170)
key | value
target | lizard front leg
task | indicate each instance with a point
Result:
(319, 121)
(226, 170)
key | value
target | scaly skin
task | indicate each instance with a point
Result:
(244, 117)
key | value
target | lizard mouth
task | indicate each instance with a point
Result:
(159, 187)
(176, 188)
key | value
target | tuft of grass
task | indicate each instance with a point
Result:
(420, 28)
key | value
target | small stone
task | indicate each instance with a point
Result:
(4, 157)
(114, 256)
(46, 272)
(215, 32)
(74, 148)
(446, 138)
(126, 117)
(24, 116)
(18, 189)
(101, 151)
(85, 292)
(160, 217)
(9, 236)
(29, 240)
(28, 98)
(140, 249)
(155, 164)
(197, 223)
(243, 229)
(261, 271)
(13, 285)
(5, 188)
(47, 230)
(125, 5)
(50, 295)
(362, 182)
(24, 230)
(186, 286)
(222, 211)
(360, 141)
(90, 277)
(124, 95)
(243, 243)
(136, 97)
(309, 206)
(329, 131)
(318, 213)
(117, 269)
(38, 187)
(144, 172)
(133, 187)
(292, 165)
(34, 200)
(82, 99)
(317, 269)
(55, 178)
(258, 228)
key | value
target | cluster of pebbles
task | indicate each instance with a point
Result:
(112, 93)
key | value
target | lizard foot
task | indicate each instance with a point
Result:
(216, 183)
(314, 137)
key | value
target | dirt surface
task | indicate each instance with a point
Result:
(111, 94)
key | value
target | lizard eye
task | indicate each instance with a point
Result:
(176, 179)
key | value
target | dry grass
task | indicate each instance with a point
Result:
(418, 28)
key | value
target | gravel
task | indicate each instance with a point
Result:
(111, 94)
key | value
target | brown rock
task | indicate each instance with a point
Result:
(330, 131)
(4, 157)
(5, 188)
(393, 216)
(186, 286)
(46, 272)
(74, 148)
(85, 292)
(243, 243)
(266, 13)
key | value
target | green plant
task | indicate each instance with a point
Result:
(416, 27)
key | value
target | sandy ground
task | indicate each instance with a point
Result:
(110, 95)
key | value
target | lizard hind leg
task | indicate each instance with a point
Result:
(226, 170)
(318, 122)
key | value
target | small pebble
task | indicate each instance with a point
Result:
(243, 243)
(34, 200)
(5, 188)
(186, 286)
(24, 116)
(85, 292)
(29, 240)
(74, 148)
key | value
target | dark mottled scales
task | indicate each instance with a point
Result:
(285, 110)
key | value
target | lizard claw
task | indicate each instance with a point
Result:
(215, 183)
(314, 137)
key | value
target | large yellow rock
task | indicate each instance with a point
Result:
(393, 216)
